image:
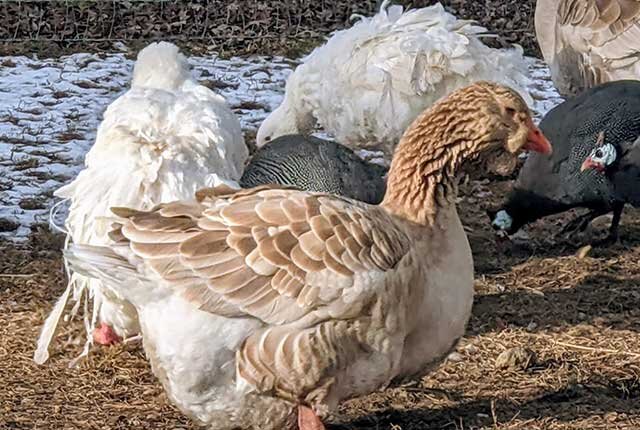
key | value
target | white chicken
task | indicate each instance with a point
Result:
(160, 141)
(369, 82)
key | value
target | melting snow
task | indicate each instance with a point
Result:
(50, 110)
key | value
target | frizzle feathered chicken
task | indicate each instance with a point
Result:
(369, 82)
(160, 141)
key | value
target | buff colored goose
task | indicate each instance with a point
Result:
(588, 42)
(267, 306)
(369, 82)
(160, 141)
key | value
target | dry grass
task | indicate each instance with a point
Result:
(580, 317)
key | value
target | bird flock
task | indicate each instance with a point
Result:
(267, 290)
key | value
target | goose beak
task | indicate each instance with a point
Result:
(536, 141)
(590, 164)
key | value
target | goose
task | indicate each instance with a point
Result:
(366, 84)
(160, 141)
(264, 308)
(589, 42)
(313, 164)
(548, 185)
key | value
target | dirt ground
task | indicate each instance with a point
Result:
(579, 318)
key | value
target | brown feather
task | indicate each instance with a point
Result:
(221, 268)
(321, 227)
(333, 264)
(304, 261)
(271, 212)
(205, 243)
(269, 251)
(241, 212)
(295, 212)
(242, 244)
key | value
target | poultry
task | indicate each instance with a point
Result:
(313, 164)
(369, 82)
(160, 141)
(551, 185)
(589, 42)
(620, 163)
(265, 305)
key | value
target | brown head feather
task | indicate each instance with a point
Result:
(481, 119)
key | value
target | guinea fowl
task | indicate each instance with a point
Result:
(267, 306)
(369, 82)
(620, 163)
(313, 164)
(160, 141)
(550, 185)
(589, 42)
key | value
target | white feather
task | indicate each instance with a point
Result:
(369, 82)
(160, 141)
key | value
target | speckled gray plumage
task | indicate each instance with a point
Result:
(553, 184)
(314, 164)
(624, 174)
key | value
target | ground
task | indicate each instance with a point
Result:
(553, 342)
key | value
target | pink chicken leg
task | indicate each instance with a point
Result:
(105, 335)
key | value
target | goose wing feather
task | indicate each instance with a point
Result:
(306, 265)
(604, 31)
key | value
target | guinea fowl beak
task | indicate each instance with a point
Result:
(536, 141)
(590, 164)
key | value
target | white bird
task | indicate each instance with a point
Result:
(369, 82)
(589, 42)
(262, 306)
(160, 141)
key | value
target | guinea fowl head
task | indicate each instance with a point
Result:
(481, 123)
(602, 156)
(161, 65)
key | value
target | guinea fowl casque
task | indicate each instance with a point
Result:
(589, 42)
(160, 141)
(265, 307)
(313, 164)
(369, 82)
(550, 185)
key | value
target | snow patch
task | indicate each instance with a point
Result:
(50, 110)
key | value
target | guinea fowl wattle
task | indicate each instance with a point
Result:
(265, 308)
(313, 164)
(548, 185)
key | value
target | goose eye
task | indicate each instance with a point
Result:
(267, 139)
(599, 153)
